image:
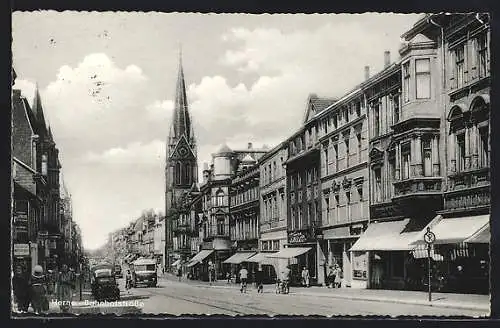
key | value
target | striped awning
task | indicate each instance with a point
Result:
(420, 252)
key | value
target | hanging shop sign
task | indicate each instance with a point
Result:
(21, 250)
(297, 237)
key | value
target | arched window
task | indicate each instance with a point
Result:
(219, 198)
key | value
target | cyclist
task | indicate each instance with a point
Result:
(243, 279)
(285, 279)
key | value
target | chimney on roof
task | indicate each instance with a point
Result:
(367, 72)
(249, 145)
(387, 58)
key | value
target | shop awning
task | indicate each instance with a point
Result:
(200, 257)
(386, 236)
(176, 263)
(261, 258)
(289, 252)
(458, 230)
(482, 236)
(239, 257)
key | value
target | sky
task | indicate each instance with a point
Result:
(107, 83)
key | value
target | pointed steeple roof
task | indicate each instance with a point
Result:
(37, 107)
(181, 123)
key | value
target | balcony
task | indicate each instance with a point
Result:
(419, 194)
(468, 191)
(469, 179)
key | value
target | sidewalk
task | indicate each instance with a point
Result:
(443, 300)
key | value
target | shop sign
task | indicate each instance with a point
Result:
(360, 265)
(21, 250)
(297, 237)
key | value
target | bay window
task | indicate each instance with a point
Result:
(377, 176)
(405, 160)
(423, 78)
(406, 81)
(427, 157)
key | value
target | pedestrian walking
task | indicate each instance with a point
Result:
(21, 289)
(211, 272)
(179, 272)
(243, 279)
(259, 277)
(38, 291)
(305, 277)
(338, 276)
(330, 277)
(128, 281)
(228, 277)
(65, 286)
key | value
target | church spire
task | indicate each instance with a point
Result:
(181, 123)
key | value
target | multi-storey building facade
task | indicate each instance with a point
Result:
(181, 170)
(343, 138)
(429, 154)
(215, 232)
(244, 212)
(273, 207)
(303, 192)
(36, 207)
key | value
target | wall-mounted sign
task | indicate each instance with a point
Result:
(21, 250)
(296, 237)
(360, 265)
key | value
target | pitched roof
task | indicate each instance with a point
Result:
(248, 159)
(315, 105)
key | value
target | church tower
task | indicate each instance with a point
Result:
(181, 169)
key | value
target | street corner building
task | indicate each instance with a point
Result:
(44, 232)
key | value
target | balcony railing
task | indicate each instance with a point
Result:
(469, 179)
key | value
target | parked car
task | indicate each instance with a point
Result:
(144, 272)
(103, 283)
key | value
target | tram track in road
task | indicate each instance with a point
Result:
(270, 302)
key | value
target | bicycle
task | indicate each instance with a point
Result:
(243, 285)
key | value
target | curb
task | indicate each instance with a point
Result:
(392, 300)
(383, 300)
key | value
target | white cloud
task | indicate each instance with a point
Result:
(136, 153)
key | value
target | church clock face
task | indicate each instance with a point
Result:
(183, 151)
